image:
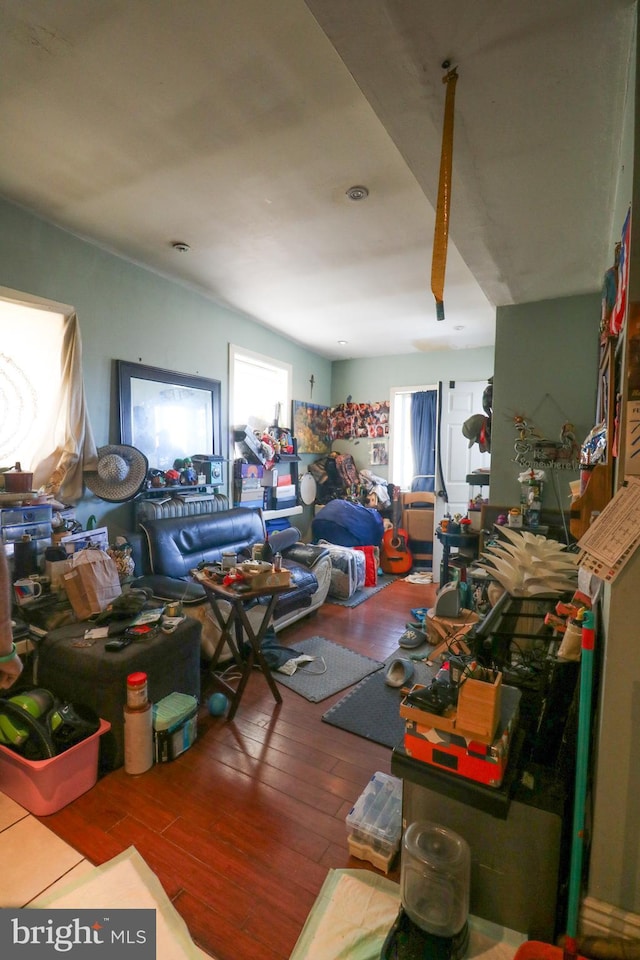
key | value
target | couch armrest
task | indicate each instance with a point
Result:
(306, 554)
(170, 589)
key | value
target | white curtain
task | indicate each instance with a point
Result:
(44, 423)
(60, 468)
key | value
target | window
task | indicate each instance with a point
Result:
(43, 422)
(402, 459)
(259, 389)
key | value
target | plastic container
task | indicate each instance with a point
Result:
(175, 725)
(137, 698)
(435, 878)
(37, 513)
(45, 786)
(375, 822)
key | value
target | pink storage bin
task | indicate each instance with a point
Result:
(45, 786)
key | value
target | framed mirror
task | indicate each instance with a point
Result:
(168, 415)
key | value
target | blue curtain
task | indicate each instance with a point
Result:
(423, 438)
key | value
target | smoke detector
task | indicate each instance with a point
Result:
(357, 193)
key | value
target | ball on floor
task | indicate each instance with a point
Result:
(217, 704)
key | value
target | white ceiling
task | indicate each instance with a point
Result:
(237, 127)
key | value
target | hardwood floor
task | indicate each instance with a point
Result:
(243, 827)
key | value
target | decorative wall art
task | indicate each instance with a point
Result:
(378, 453)
(311, 427)
(349, 421)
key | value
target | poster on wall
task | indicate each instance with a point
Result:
(351, 421)
(378, 453)
(311, 427)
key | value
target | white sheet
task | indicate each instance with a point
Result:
(355, 910)
(123, 882)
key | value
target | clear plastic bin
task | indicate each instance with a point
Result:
(37, 531)
(376, 819)
(38, 513)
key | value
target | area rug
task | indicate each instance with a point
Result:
(334, 668)
(364, 593)
(127, 881)
(355, 910)
(372, 709)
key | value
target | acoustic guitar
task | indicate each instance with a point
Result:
(395, 556)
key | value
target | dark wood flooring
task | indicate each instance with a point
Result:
(243, 827)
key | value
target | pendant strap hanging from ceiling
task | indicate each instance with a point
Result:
(441, 230)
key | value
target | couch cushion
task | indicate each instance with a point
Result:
(176, 545)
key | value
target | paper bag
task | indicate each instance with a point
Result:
(91, 582)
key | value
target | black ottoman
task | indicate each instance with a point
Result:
(97, 679)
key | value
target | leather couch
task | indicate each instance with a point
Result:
(167, 549)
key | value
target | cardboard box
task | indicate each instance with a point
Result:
(45, 786)
(259, 575)
(91, 583)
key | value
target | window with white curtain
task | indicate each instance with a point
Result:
(44, 424)
(259, 389)
(31, 340)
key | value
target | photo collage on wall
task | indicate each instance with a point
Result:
(315, 426)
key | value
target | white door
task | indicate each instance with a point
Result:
(459, 400)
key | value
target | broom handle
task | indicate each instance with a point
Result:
(580, 790)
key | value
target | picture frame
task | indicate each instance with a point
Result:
(311, 427)
(378, 453)
(168, 415)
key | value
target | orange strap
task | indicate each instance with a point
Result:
(441, 230)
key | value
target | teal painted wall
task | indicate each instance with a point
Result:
(369, 381)
(130, 313)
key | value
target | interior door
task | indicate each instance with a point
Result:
(458, 400)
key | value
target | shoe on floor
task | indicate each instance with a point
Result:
(411, 639)
(419, 613)
(399, 672)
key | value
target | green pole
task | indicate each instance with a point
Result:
(580, 790)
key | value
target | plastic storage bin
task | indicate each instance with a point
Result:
(374, 824)
(175, 725)
(38, 513)
(45, 786)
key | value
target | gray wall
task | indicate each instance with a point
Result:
(546, 369)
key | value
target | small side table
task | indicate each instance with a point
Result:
(237, 618)
(469, 542)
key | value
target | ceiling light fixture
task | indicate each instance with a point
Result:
(180, 246)
(357, 193)
(343, 343)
